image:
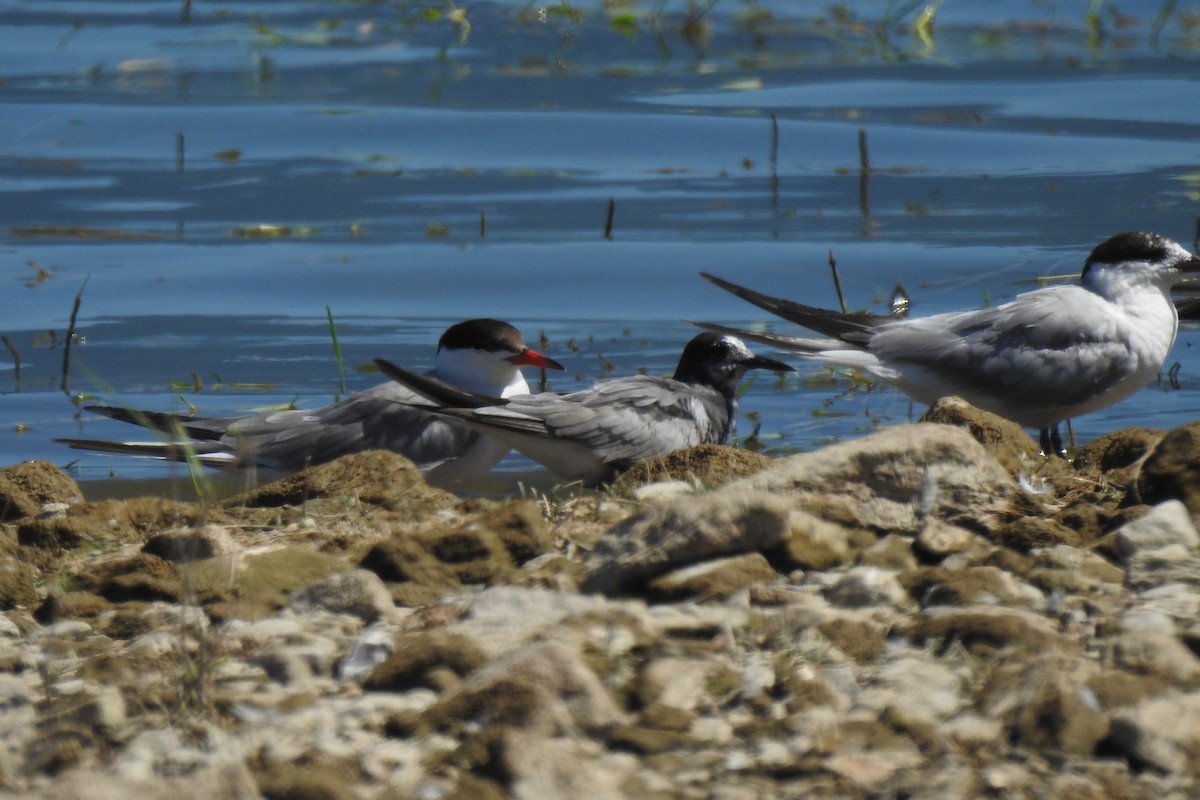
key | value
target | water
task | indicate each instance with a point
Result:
(427, 169)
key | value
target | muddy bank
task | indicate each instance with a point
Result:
(929, 611)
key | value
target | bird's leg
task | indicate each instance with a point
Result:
(1056, 442)
(1051, 443)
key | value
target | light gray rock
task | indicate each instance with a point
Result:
(70, 629)
(1168, 523)
(1140, 619)
(893, 481)
(919, 686)
(1173, 563)
(1080, 563)
(262, 631)
(360, 593)
(8, 628)
(1176, 600)
(662, 490)
(157, 643)
(103, 710)
(973, 731)
(939, 539)
(867, 586)
(547, 687)
(1163, 732)
(1157, 652)
(543, 767)
(197, 751)
(226, 781)
(686, 683)
(503, 618)
(369, 650)
(175, 617)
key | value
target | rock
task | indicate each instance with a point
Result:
(1174, 563)
(893, 481)
(944, 586)
(102, 710)
(1027, 533)
(376, 477)
(686, 684)
(681, 533)
(70, 605)
(26, 487)
(660, 491)
(1172, 469)
(706, 465)
(715, 579)
(546, 688)
(1160, 732)
(284, 666)
(1157, 652)
(544, 767)
(1175, 600)
(17, 586)
(444, 558)
(358, 592)
(974, 732)
(917, 685)
(938, 539)
(866, 586)
(302, 782)
(209, 541)
(986, 628)
(1004, 440)
(815, 544)
(893, 552)
(143, 577)
(859, 639)
(435, 659)
(1164, 524)
(1047, 704)
(370, 649)
(1066, 568)
(1117, 450)
(521, 527)
(210, 760)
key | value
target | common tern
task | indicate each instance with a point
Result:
(1045, 356)
(589, 435)
(482, 354)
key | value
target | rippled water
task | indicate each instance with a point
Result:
(413, 169)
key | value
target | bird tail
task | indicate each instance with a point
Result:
(171, 424)
(854, 329)
(210, 454)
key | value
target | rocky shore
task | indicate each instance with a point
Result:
(931, 611)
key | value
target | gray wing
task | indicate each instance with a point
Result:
(376, 419)
(620, 419)
(1024, 351)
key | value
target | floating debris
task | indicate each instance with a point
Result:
(273, 231)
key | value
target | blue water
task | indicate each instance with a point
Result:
(429, 170)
